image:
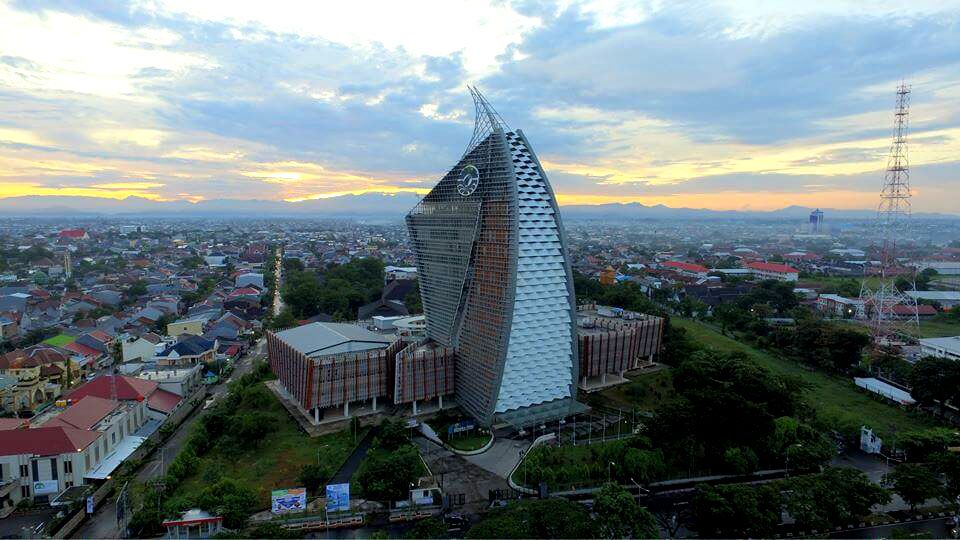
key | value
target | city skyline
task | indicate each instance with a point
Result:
(708, 105)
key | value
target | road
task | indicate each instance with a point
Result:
(103, 524)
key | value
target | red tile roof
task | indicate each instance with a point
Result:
(773, 267)
(163, 401)
(686, 267)
(128, 388)
(922, 309)
(84, 414)
(100, 336)
(82, 349)
(73, 233)
(45, 441)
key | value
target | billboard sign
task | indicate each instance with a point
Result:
(461, 426)
(285, 501)
(338, 497)
(46, 487)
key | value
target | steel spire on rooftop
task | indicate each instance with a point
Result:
(487, 120)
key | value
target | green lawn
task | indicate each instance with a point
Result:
(60, 340)
(935, 328)
(469, 441)
(835, 399)
(645, 391)
(276, 463)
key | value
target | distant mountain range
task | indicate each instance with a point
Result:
(371, 206)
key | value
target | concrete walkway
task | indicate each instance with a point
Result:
(501, 458)
(459, 476)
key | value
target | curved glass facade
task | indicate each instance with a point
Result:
(495, 281)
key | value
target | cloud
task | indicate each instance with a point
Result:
(713, 102)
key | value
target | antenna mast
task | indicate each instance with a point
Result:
(881, 303)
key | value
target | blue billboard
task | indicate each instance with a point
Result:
(338, 497)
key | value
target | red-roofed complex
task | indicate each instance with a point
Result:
(687, 269)
(130, 389)
(74, 234)
(779, 272)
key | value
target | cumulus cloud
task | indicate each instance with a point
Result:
(708, 102)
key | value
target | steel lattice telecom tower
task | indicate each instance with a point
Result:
(882, 302)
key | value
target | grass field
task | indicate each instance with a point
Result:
(644, 392)
(60, 340)
(935, 328)
(835, 399)
(276, 463)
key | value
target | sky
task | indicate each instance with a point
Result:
(722, 104)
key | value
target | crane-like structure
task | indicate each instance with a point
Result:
(886, 306)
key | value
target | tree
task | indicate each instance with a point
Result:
(836, 496)
(428, 528)
(536, 518)
(285, 319)
(948, 463)
(914, 484)
(729, 315)
(312, 476)
(736, 511)
(386, 475)
(617, 515)
(934, 381)
(137, 288)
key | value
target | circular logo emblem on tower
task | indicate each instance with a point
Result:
(468, 181)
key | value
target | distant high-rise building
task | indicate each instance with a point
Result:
(816, 221)
(495, 280)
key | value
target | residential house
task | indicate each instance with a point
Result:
(140, 349)
(188, 351)
(193, 326)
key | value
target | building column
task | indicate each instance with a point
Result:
(440, 400)
(374, 402)
(603, 378)
(346, 408)
(414, 407)
(621, 373)
(316, 415)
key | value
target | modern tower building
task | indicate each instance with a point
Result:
(495, 280)
(502, 336)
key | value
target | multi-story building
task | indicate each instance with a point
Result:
(500, 336)
(777, 271)
(38, 463)
(495, 280)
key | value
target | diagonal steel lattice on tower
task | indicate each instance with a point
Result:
(890, 310)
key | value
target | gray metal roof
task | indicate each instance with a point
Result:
(315, 337)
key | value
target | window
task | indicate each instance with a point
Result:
(24, 471)
(86, 459)
(113, 437)
(68, 467)
(24, 491)
(69, 483)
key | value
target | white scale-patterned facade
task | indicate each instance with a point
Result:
(539, 363)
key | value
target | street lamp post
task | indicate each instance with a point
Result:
(318, 452)
(787, 458)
